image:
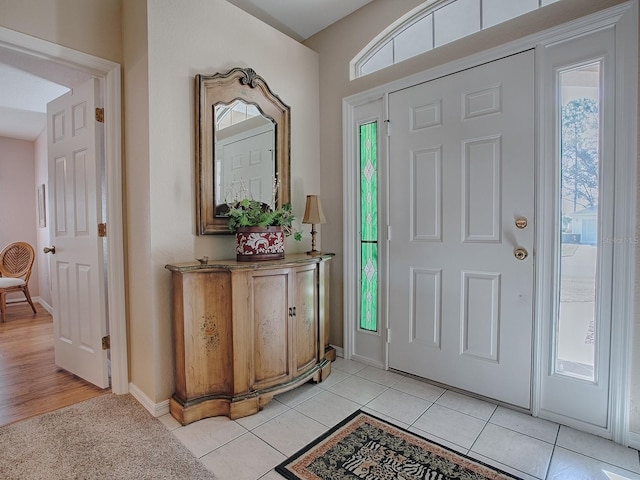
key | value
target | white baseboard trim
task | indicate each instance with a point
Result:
(43, 304)
(633, 440)
(339, 351)
(367, 361)
(155, 409)
(39, 300)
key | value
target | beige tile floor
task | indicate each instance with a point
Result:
(530, 448)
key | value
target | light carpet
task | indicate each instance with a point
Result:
(368, 448)
(108, 437)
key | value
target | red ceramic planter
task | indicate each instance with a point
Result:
(259, 243)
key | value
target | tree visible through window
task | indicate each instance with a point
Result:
(580, 153)
(579, 129)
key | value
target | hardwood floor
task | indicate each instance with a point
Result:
(30, 382)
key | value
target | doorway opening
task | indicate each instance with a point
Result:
(109, 72)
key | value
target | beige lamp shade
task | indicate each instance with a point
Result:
(313, 211)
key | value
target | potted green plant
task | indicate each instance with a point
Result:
(260, 230)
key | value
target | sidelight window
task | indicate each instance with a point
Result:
(577, 324)
(369, 227)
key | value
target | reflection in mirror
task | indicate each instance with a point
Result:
(244, 155)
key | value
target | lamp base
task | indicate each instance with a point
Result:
(313, 250)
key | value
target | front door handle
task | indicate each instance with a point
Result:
(520, 253)
(51, 249)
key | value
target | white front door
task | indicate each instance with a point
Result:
(461, 173)
(77, 266)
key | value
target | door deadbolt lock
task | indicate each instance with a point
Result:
(520, 253)
(521, 222)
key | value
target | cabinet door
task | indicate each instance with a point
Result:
(269, 298)
(305, 318)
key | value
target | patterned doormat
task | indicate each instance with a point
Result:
(365, 447)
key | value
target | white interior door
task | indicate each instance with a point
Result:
(461, 173)
(248, 165)
(77, 266)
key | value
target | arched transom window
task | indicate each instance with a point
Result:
(433, 24)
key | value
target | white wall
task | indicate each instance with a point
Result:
(90, 26)
(207, 37)
(18, 215)
(41, 175)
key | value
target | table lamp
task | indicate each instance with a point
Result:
(313, 215)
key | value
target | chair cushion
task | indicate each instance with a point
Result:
(7, 282)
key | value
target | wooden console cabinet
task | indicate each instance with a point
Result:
(244, 332)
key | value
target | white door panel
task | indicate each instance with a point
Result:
(461, 166)
(248, 156)
(77, 266)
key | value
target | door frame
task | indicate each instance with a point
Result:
(624, 17)
(109, 72)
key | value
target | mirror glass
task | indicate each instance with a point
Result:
(244, 155)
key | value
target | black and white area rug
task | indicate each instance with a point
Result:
(368, 448)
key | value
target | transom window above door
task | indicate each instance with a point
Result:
(433, 24)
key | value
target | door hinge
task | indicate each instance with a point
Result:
(106, 342)
(102, 229)
(388, 335)
(100, 115)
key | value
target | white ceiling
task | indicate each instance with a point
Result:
(299, 19)
(27, 83)
(23, 102)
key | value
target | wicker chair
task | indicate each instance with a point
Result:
(16, 260)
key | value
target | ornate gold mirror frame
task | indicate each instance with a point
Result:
(224, 89)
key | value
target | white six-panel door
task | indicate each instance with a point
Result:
(461, 173)
(247, 165)
(77, 266)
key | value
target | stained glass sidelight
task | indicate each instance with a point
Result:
(369, 226)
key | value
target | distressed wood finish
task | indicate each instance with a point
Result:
(245, 332)
(325, 307)
(305, 328)
(269, 300)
